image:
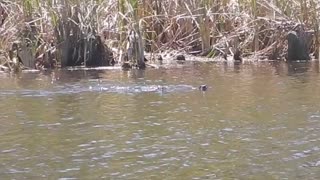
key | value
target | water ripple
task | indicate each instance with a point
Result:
(79, 88)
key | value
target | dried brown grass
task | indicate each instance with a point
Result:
(195, 26)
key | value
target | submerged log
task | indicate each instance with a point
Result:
(297, 46)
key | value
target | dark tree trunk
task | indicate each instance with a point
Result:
(297, 46)
(97, 55)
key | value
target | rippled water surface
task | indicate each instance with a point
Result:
(256, 121)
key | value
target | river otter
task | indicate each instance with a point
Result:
(203, 87)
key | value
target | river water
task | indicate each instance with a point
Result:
(255, 121)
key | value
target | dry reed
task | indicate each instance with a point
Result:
(56, 33)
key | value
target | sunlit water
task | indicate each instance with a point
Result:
(255, 121)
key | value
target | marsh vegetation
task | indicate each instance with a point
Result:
(58, 33)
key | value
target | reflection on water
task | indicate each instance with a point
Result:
(298, 67)
(256, 121)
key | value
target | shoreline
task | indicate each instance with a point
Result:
(42, 35)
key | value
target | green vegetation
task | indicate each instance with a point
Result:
(58, 33)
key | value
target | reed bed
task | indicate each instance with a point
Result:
(58, 33)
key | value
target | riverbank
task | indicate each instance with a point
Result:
(43, 35)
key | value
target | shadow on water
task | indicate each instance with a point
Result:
(294, 68)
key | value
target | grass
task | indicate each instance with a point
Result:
(59, 33)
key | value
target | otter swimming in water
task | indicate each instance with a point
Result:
(203, 87)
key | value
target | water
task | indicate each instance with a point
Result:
(256, 121)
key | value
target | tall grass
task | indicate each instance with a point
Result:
(74, 27)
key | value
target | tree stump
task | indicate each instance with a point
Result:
(297, 46)
(136, 50)
(91, 53)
